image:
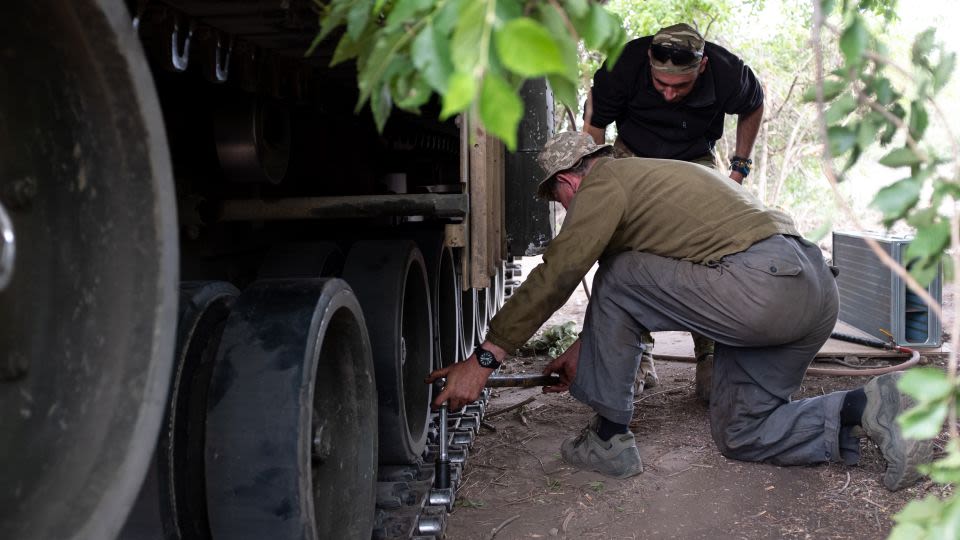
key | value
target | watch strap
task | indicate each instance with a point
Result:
(741, 164)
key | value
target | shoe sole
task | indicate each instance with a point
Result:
(880, 424)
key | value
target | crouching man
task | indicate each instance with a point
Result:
(683, 248)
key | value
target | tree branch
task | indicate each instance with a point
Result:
(831, 174)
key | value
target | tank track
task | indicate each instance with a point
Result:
(408, 504)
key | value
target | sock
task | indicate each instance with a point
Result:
(853, 405)
(608, 429)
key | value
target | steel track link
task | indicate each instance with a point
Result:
(409, 507)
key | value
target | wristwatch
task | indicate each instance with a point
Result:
(741, 164)
(486, 358)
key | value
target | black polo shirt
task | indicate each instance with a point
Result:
(653, 128)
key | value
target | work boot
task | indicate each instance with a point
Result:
(617, 457)
(646, 376)
(704, 377)
(884, 404)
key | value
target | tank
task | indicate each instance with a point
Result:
(221, 287)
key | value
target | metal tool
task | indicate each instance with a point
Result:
(521, 381)
(442, 478)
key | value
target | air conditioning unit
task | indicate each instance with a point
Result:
(876, 300)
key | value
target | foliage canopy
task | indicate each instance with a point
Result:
(475, 54)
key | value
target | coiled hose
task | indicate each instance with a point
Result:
(869, 372)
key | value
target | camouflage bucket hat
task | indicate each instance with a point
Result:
(680, 37)
(563, 151)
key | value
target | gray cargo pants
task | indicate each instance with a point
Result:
(769, 308)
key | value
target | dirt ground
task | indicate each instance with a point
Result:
(517, 486)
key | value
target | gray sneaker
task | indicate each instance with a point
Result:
(884, 404)
(617, 457)
(646, 377)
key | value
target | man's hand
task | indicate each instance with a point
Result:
(565, 366)
(465, 380)
(736, 177)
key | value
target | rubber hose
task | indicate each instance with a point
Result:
(869, 342)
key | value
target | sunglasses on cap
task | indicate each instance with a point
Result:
(680, 57)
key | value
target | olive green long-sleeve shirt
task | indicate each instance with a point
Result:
(669, 208)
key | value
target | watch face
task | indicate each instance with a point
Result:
(486, 358)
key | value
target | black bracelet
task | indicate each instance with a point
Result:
(741, 164)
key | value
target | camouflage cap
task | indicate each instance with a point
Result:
(680, 36)
(563, 151)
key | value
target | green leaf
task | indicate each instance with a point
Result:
(464, 48)
(527, 49)
(577, 8)
(882, 89)
(852, 160)
(508, 10)
(930, 240)
(831, 89)
(944, 69)
(346, 49)
(918, 119)
(901, 157)
(854, 39)
(840, 109)
(920, 511)
(945, 188)
(895, 200)
(925, 273)
(922, 46)
(335, 17)
(556, 25)
(373, 72)
(616, 45)
(431, 55)
(381, 104)
(404, 11)
(446, 18)
(926, 250)
(907, 531)
(357, 18)
(500, 109)
(867, 131)
(840, 139)
(412, 93)
(923, 218)
(923, 421)
(597, 27)
(925, 384)
(461, 89)
(565, 91)
(946, 470)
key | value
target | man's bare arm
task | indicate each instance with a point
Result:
(748, 125)
(598, 134)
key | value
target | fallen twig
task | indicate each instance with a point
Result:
(501, 526)
(527, 401)
(845, 485)
(884, 508)
(667, 391)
